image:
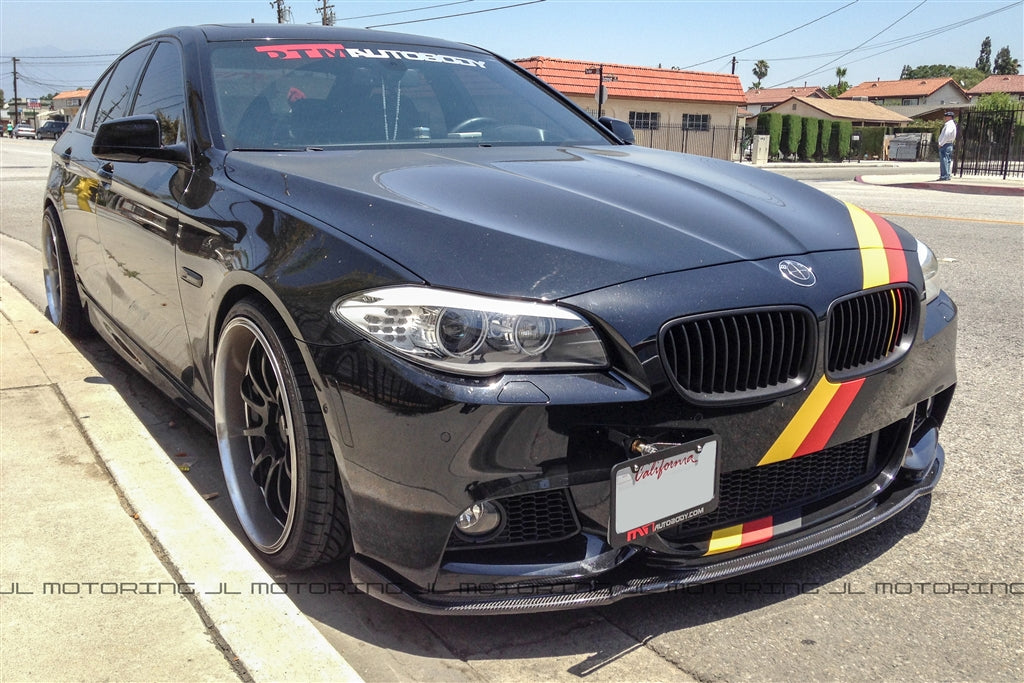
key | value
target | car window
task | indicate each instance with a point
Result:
(117, 95)
(162, 93)
(299, 95)
(87, 116)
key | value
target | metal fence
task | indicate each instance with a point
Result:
(721, 142)
(991, 143)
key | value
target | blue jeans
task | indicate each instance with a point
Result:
(945, 161)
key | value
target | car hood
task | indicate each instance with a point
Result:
(547, 222)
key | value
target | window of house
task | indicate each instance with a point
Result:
(910, 101)
(644, 120)
(697, 122)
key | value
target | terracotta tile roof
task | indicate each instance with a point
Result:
(850, 110)
(1007, 84)
(910, 87)
(569, 77)
(70, 94)
(776, 95)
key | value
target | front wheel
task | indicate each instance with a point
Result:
(63, 303)
(278, 464)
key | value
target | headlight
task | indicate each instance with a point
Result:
(473, 335)
(930, 269)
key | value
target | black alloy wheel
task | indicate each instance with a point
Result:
(277, 459)
(63, 304)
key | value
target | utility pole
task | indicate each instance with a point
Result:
(14, 67)
(326, 13)
(284, 13)
(733, 66)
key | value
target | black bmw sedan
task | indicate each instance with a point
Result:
(448, 327)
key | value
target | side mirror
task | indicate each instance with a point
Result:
(621, 129)
(135, 139)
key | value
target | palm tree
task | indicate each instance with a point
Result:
(840, 75)
(760, 71)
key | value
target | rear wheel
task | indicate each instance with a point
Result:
(63, 304)
(277, 459)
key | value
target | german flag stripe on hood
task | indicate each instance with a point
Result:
(884, 262)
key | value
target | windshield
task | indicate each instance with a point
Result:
(273, 95)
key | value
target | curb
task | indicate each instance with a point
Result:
(271, 638)
(952, 186)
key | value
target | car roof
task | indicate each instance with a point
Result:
(212, 33)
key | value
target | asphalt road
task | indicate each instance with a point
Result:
(937, 593)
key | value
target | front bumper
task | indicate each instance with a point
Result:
(636, 576)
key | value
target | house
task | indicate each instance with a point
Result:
(689, 111)
(911, 97)
(69, 102)
(1011, 85)
(763, 99)
(858, 112)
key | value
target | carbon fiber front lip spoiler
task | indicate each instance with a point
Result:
(519, 598)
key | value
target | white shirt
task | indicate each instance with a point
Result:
(948, 133)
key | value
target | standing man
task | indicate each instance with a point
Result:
(946, 138)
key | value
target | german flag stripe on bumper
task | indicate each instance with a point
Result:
(813, 425)
(752, 533)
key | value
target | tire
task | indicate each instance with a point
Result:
(277, 459)
(63, 303)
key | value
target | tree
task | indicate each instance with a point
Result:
(1005, 65)
(841, 86)
(984, 62)
(966, 76)
(840, 75)
(760, 71)
(995, 101)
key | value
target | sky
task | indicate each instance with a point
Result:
(65, 44)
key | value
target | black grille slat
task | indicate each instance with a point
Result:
(744, 355)
(870, 331)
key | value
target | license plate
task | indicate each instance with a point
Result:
(657, 491)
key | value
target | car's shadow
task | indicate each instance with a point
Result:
(345, 615)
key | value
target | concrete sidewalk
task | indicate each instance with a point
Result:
(111, 565)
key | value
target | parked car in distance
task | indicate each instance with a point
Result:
(24, 130)
(449, 328)
(51, 130)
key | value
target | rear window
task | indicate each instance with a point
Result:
(301, 95)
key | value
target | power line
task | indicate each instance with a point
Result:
(896, 42)
(461, 14)
(733, 52)
(405, 11)
(829, 63)
(113, 54)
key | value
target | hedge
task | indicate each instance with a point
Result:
(792, 129)
(844, 130)
(770, 124)
(810, 138)
(826, 137)
(872, 138)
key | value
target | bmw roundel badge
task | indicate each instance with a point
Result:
(797, 273)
